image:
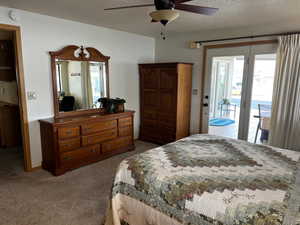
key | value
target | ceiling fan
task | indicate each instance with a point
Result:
(165, 9)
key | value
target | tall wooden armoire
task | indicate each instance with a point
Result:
(165, 101)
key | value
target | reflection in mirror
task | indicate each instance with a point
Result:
(80, 84)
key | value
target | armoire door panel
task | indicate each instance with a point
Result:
(167, 102)
(150, 134)
(151, 124)
(149, 114)
(167, 120)
(150, 99)
(168, 135)
(168, 78)
(150, 78)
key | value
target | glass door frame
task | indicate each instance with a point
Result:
(222, 52)
(254, 51)
(249, 50)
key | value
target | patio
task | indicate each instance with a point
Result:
(226, 94)
(232, 129)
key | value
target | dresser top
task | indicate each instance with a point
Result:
(75, 119)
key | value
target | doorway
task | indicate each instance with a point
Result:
(238, 88)
(14, 133)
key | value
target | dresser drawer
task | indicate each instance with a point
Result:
(99, 137)
(125, 131)
(98, 126)
(68, 132)
(118, 143)
(80, 156)
(69, 144)
(123, 122)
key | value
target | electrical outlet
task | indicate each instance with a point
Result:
(195, 91)
(31, 95)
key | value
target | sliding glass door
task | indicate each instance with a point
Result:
(261, 97)
(238, 81)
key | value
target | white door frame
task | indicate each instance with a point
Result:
(248, 50)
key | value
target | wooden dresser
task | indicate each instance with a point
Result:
(76, 141)
(165, 90)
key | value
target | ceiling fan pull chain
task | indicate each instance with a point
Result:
(163, 32)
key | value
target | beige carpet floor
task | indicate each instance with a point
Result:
(77, 198)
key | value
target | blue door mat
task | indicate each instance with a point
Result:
(220, 122)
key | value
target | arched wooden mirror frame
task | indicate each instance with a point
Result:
(69, 53)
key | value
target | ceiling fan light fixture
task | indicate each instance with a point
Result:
(164, 16)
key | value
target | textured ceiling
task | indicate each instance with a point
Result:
(232, 14)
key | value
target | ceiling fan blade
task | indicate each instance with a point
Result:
(196, 9)
(154, 21)
(129, 7)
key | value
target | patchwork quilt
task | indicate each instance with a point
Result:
(207, 180)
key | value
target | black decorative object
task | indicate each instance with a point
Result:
(112, 105)
(67, 104)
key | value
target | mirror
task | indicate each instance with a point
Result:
(81, 79)
(80, 84)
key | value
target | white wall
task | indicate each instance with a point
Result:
(176, 49)
(41, 34)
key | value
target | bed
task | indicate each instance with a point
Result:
(207, 180)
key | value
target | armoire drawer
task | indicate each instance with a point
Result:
(125, 131)
(168, 136)
(150, 134)
(98, 126)
(149, 114)
(99, 137)
(123, 122)
(69, 144)
(167, 120)
(116, 144)
(80, 156)
(68, 132)
(151, 124)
